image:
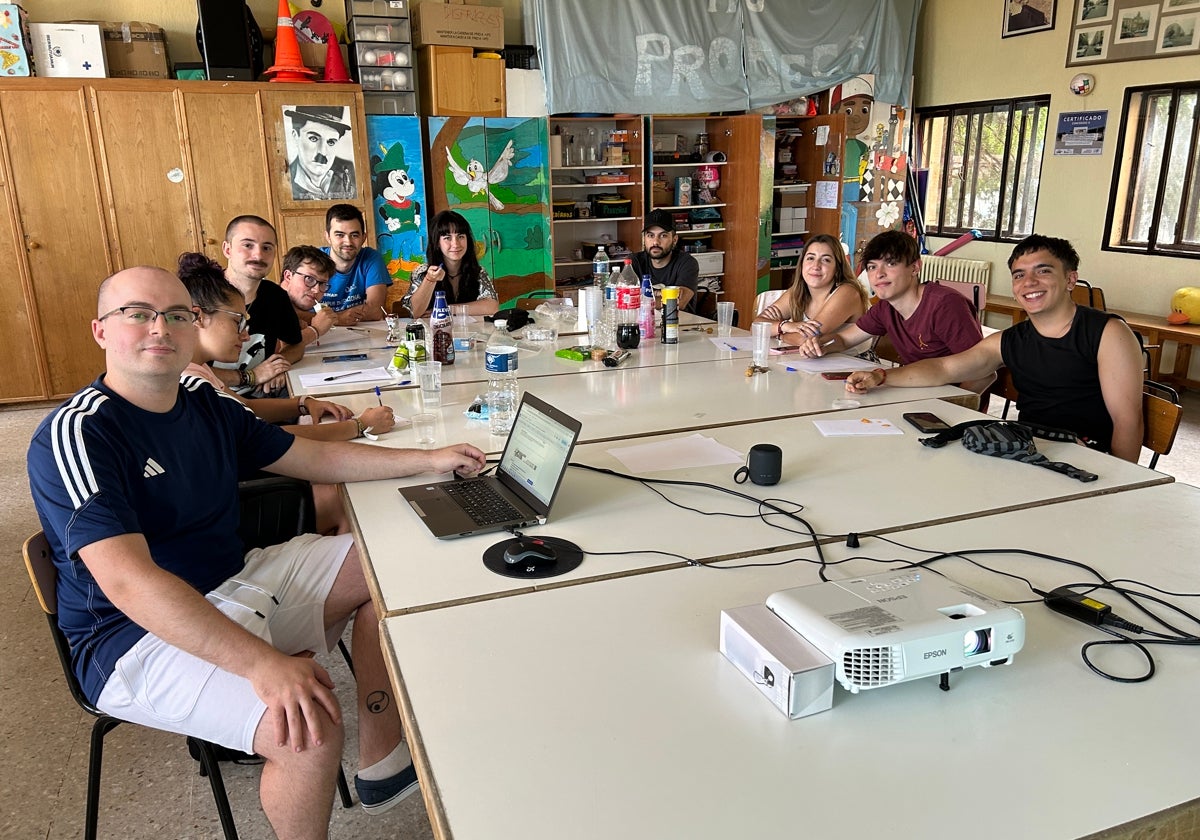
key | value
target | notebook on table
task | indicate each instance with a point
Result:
(521, 492)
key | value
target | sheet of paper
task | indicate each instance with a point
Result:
(827, 195)
(317, 380)
(737, 343)
(691, 451)
(822, 135)
(856, 428)
(822, 364)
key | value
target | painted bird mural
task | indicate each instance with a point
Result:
(474, 179)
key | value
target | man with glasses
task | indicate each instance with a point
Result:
(306, 272)
(135, 483)
(275, 340)
(359, 284)
(662, 259)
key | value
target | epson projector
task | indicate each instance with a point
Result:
(898, 626)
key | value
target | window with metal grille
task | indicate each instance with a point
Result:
(1154, 203)
(985, 165)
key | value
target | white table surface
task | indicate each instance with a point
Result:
(863, 484)
(624, 401)
(606, 710)
(534, 359)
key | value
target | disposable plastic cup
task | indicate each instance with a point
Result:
(760, 332)
(429, 376)
(724, 317)
(425, 428)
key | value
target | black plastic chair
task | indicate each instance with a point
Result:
(44, 576)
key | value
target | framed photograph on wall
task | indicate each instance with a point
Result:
(1178, 34)
(1107, 31)
(1023, 17)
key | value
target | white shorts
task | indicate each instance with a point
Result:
(279, 596)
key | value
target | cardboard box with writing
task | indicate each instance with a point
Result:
(458, 25)
(135, 50)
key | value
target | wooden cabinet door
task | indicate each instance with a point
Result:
(820, 164)
(57, 193)
(140, 140)
(495, 173)
(227, 144)
(746, 187)
(22, 379)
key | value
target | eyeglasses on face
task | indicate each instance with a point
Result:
(310, 281)
(238, 318)
(144, 316)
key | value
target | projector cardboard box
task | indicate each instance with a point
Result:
(134, 50)
(458, 25)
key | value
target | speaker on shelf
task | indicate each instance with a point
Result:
(226, 35)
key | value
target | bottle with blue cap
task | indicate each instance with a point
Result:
(504, 391)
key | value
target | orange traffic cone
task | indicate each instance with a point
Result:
(335, 67)
(288, 67)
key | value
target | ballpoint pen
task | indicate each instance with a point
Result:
(358, 329)
(341, 376)
(731, 347)
(378, 396)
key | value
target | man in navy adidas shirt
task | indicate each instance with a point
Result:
(135, 483)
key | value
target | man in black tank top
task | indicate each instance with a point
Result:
(1074, 367)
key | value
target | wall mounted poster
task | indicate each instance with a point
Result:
(1080, 133)
(1132, 30)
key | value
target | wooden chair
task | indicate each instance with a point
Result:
(1085, 294)
(1003, 387)
(1161, 415)
(44, 576)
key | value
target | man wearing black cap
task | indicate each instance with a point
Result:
(316, 173)
(663, 261)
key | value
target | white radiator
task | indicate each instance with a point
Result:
(956, 270)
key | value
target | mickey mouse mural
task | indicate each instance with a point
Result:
(398, 191)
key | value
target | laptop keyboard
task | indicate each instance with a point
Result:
(482, 503)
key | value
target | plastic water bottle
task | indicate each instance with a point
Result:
(629, 301)
(646, 309)
(504, 391)
(600, 267)
(443, 333)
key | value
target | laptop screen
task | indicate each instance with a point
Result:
(537, 450)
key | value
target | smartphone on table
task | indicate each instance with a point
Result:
(926, 421)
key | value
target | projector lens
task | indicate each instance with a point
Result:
(976, 642)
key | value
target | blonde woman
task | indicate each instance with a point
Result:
(823, 297)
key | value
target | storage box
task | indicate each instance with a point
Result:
(393, 30)
(711, 262)
(382, 66)
(563, 209)
(669, 143)
(16, 44)
(134, 50)
(68, 50)
(394, 104)
(613, 207)
(458, 24)
(376, 8)
(795, 676)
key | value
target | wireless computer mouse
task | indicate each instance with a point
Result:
(528, 550)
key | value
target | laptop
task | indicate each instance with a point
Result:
(531, 469)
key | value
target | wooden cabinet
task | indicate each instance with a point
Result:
(453, 82)
(729, 225)
(99, 175)
(807, 188)
(495, 172)
(590, 158)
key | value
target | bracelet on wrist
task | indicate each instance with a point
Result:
(359, 428)
(882, 375)
(301, 408)
(781, 323)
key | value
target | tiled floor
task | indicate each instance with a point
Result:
(151, 788)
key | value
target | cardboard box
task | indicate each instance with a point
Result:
(458, 25)
(16, 44)
(134, 50)
(68, 49)
(793, 199)
(710, 262)
(795, 676)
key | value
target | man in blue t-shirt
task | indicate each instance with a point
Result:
(135, 483)
(359, 288)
